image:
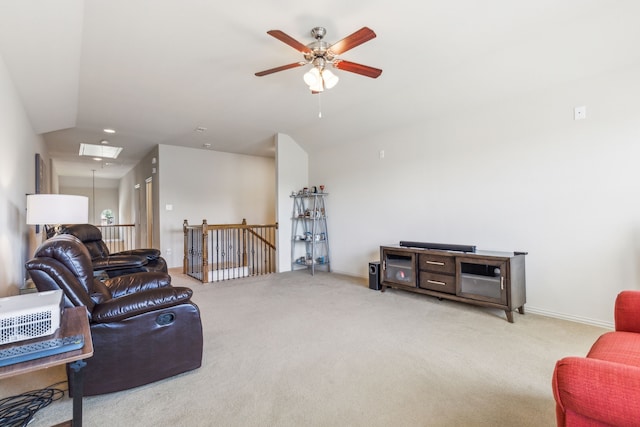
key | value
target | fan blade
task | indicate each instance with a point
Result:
(281, 68)
(289, 40)
(364, 34)
(352, 67)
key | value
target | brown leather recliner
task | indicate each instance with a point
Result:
(118, 263)
(143, 329)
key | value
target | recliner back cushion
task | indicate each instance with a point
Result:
(90, 235)
(97, 249)
(73, 255)
(50, 274)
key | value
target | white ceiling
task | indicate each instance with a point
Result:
(155, 70)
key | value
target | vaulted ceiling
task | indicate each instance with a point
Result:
(157, 70)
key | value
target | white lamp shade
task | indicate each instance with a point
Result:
(57, 209)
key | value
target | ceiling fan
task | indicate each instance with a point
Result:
(320, 54)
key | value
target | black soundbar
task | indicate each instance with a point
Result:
(439, 246)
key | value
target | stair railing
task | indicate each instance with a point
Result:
(228, 251)
(119, 237)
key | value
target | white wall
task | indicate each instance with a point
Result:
(516, 174)
(18, 145)
(219, 187)
(292, 170)
(105, 190)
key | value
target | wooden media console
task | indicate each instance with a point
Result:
(484, 278)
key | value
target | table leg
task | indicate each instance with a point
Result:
(77, 384)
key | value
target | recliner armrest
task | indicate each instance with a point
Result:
(130, 305)
(627, 311)
(119, 262)
(149, 253)
(597, 389)
(136, 282)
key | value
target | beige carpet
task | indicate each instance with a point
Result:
(295, 350)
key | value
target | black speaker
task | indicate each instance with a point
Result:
(374, 275)
(439, 246)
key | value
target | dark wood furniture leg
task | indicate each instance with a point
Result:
(509, 315)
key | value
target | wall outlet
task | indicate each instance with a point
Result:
(579, 113)
(168, 251)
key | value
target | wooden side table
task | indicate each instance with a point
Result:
(74, 321)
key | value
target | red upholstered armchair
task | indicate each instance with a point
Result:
(603, 388)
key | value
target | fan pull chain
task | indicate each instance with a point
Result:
(319, 106)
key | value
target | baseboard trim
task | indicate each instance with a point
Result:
(535, 310)
(578, 319)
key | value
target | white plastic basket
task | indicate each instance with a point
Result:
(28, 316)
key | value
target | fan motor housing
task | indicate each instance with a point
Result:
(318, 33)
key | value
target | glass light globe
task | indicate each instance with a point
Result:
(330, 79)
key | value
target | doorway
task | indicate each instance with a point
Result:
(149, 206)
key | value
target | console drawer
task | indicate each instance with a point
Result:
(437, 263)
(437, 282)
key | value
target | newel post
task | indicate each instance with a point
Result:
(245, 242)
(185, 258)
(205, 252)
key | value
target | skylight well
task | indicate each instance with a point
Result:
(103, 151)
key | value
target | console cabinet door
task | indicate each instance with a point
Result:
(483, 280)
(399, 267)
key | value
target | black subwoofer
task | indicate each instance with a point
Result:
(374, 275)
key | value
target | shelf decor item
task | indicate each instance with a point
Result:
(309, 236)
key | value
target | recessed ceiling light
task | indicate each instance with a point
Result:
(201, 129)
(104, 141)
(109, 130)
(97, 159)
(101, 151)
(206, 145)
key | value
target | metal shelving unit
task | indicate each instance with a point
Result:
(309, 235)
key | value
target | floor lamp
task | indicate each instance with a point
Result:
(55, 209)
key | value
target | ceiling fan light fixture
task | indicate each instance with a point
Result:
(317, 87)
(330, 79)
(313, 79)
(319, 54)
